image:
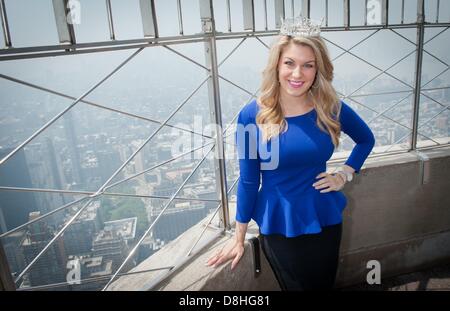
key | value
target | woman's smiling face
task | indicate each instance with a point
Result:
(296, 70)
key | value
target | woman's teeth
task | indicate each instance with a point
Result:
(296, 84)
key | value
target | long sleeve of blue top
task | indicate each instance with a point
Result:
(275, 186)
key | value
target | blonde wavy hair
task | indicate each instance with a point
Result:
(270, 117)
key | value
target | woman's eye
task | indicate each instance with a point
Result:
(288, 63)
(308, 66)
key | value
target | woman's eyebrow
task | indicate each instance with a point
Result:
(309, 61)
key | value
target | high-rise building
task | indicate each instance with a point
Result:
(51, 266)
(108, 163)
(11, 245)
(15, 206)
(113, 242)
(177, 219)
(79, 235)
(46, 173)
(77, 173)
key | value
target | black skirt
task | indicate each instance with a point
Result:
(305, 262)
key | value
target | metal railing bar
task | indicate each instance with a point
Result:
(4, 17)
(89, 280)
(48, 190)
(437, 58)
(114, 194)
(435, 34)
(210, 220)
(406, 91)
(215, 113)
(355, 45)
(400, 35)
(162, 197)
(186, 57)
(306, 8)
(365, 11)
(292, 9)
(432, 99)
(18, 228)
(435, 88)
(158, 165)
(437, 11)
(382, 113)
(420, 35)
(380, 27)
(444, 71)
(234, 84)
(232, 51)
(402, 20)
(152, 42)
(248, 15)
(131, 253)
(265, 14)
(112, 35)
(346, 4)
(204, 229)
(395, 105)
(99, 105)
(380, 93)
(262, 42)
(180, 17)
(96, 50)
(440, 146)
(373, 155)
(385, 13)
(228, 15)
(405, 149)
(50, 122)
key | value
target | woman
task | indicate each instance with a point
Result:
(299, 206)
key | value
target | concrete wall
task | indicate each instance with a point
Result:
(390, 217)
(393, 218)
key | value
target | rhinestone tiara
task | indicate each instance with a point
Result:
(300, 26)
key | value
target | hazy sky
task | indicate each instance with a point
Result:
(32, 23)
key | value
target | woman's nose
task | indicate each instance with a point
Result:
(297, 71)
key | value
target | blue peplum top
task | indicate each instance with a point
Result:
(275, 187)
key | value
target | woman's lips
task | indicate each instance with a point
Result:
(295, 84)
